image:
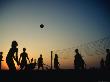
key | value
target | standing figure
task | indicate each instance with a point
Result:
(23, 62)
(12, 54)
(32, 60)
(102, 65)
(1, 59)
(56, 63)
(40, 62)
(107, 61)
(79, 62)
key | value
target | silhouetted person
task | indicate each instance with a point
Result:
(40, 62)
(10, 56)
(32, 60)
(102, 65)
(78, 62)
(56, 63)
(107, 61)
(24, 57)
(1, 59)
(33, 65)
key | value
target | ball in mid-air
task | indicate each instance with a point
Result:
(41, 26)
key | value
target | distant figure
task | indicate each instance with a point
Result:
(56, 63)
(107, 61)
(40, 62)
(32, 64)
(1, 59)
(24, 57)
(102, 65)
(32, 60)
(10, 56)
(79, 62)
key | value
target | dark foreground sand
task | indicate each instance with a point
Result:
(55, 76)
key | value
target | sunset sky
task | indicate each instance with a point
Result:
(67, 23)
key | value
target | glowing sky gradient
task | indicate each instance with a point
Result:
(67, 23)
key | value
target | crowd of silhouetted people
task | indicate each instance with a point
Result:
(79, 63)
